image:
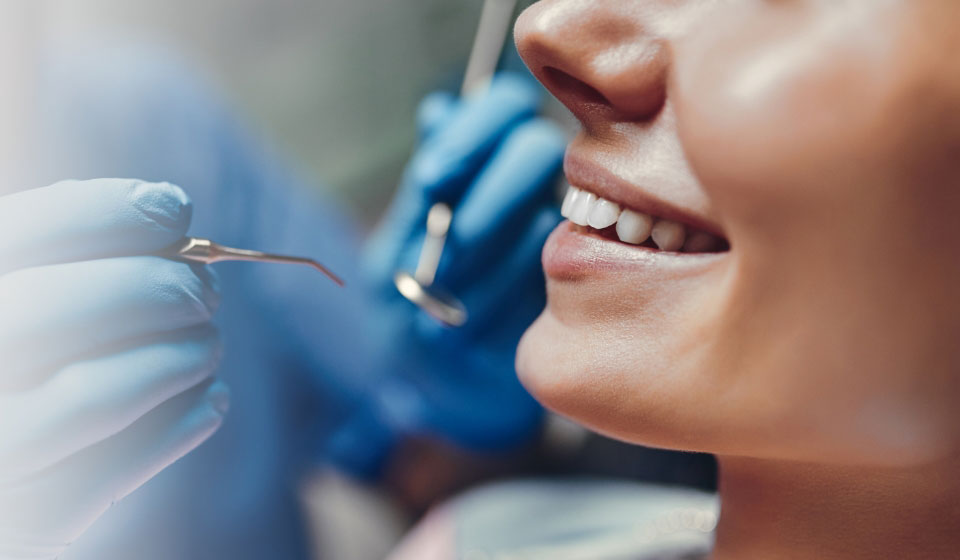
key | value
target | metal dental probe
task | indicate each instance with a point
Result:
(418, 287)
(208, 252)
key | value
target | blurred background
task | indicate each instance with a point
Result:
(333, 84)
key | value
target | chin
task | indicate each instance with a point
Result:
(601, 380)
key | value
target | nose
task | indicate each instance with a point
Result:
(598, 58)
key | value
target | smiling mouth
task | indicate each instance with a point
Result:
(599, 216)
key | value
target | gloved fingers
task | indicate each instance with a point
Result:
(518, 182)
(456, 148)
(434, 111)
(65, 499)
(81, 220)
(89, 401)
(53, 315)
(447, 159)
(492, 294)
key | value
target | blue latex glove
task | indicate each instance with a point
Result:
(496, 163)
(106, 354)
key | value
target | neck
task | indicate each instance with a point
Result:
(797, 511)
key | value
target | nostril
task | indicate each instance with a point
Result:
(569, 89)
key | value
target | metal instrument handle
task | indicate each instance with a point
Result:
(487, 44)
(438, 224)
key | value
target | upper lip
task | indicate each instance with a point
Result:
(592, 177)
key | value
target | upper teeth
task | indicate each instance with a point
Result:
(587, 209)
(634, 227)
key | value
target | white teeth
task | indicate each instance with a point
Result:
(603, 214)
(587, 209)
(668, 236)
(700, 242)
(568, 200)
(634, 227)
(580, 207)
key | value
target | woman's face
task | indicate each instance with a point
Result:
(820, 140)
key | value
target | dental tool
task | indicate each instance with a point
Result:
(208, 252)
(418, 287)
(487, 44)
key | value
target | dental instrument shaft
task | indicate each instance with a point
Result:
(487, 44)
(484, 56)
(208, 252)
(438, 223)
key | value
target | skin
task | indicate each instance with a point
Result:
(817, 357)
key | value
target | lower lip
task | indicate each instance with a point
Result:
(572, 253)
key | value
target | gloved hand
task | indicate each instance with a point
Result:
(106, 354)
(496, 164)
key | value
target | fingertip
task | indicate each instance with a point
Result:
(509, 100)
(433, 111)
(517, 88)
(428, 172)
(540, 136)
(164, 206)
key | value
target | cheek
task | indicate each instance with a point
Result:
(808, 139)
(774, 111)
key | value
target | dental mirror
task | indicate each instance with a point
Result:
(418, 287)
